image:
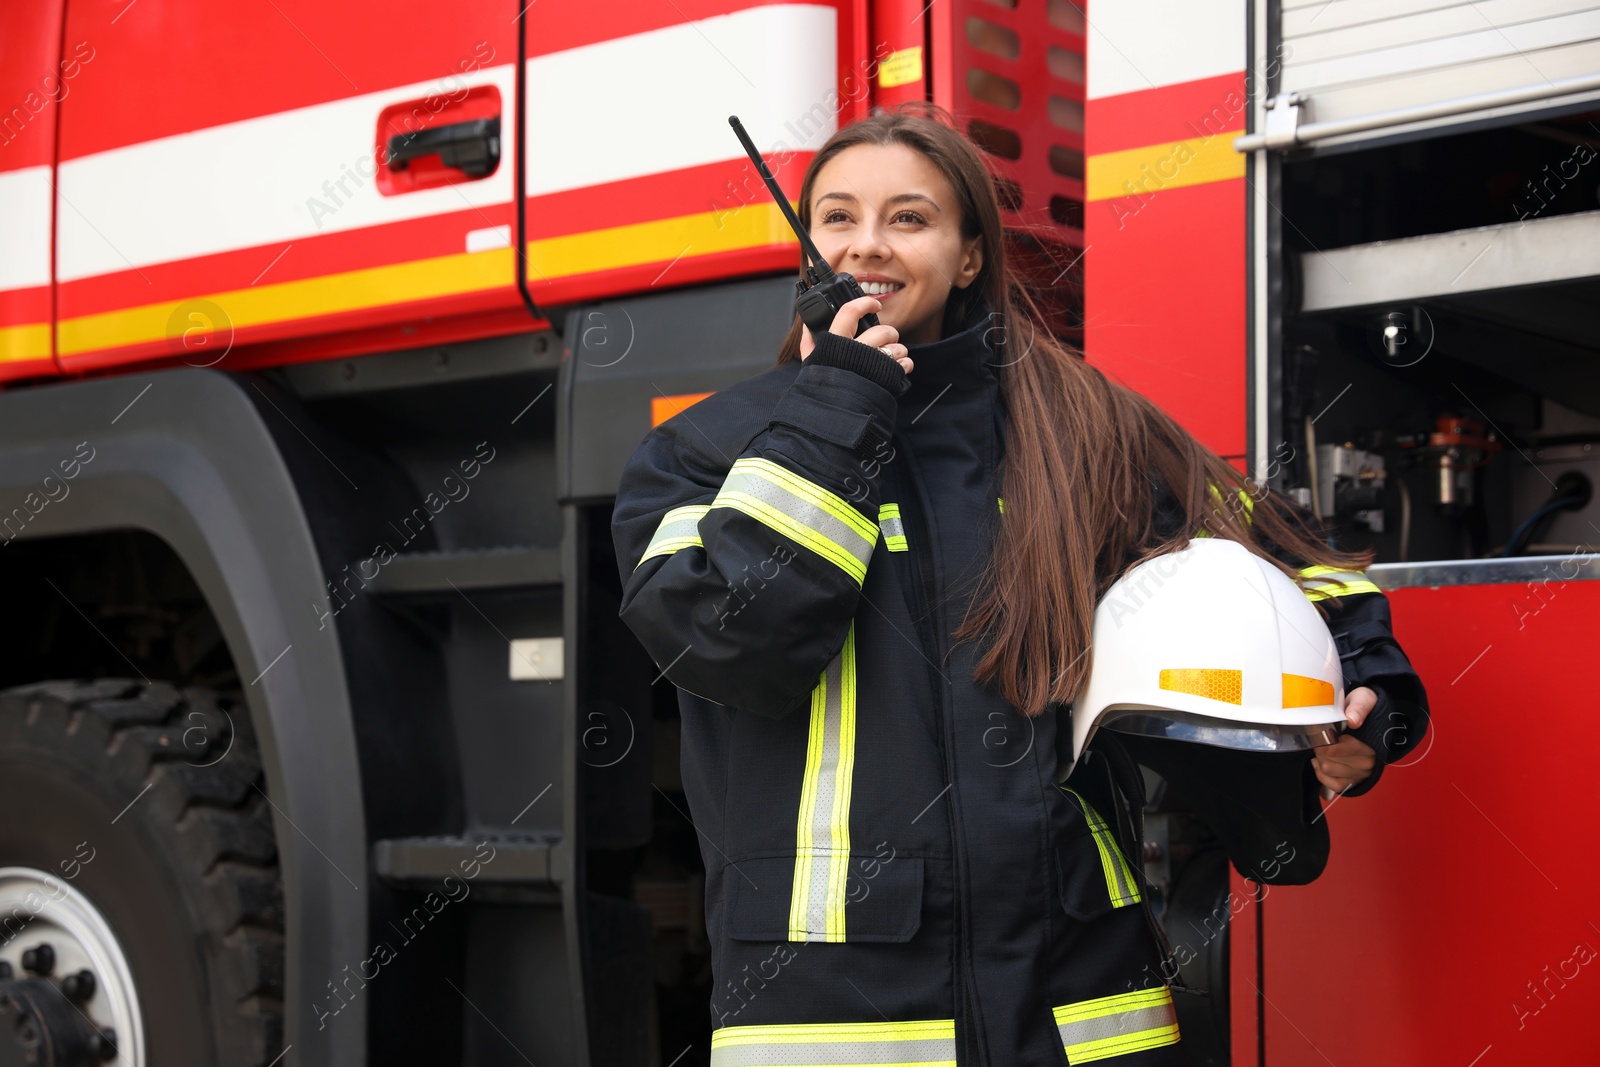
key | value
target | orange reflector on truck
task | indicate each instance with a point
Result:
(1302, 692)
(1213, 684)
(663, 408)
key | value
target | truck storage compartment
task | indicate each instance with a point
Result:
(1440, 341)
(1364, 70)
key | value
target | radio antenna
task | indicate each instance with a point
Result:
(813, 256)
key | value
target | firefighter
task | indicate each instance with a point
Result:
(871, 571)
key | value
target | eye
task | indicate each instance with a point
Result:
(906, 214)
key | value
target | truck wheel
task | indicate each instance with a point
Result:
(141, 910)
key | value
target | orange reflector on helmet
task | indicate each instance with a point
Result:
(1210, 683)
(1302, 692)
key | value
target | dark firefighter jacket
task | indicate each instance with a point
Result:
(893, 873)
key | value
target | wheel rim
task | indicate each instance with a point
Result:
(82, 939)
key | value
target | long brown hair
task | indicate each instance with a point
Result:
(1078, 445)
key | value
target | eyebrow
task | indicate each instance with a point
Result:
(899, 199)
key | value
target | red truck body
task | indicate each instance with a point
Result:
(184, 185)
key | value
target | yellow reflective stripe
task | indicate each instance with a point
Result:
(1001, 501)
(894, 531)
(1213, 683)
(803, 510)
(1121, 884)
(1244, 495)
(679, 528)
(1300, 691)
(918, 1043)
(822, 831)
(1323, 582)
(1117, 1025)
(1249, 507)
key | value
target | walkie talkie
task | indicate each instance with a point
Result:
(821, 293)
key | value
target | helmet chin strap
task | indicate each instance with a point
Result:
(1067, 763)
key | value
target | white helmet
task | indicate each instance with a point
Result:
(1214, 645)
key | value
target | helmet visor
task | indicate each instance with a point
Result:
(1222, 733)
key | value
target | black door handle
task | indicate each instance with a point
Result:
(473, 147)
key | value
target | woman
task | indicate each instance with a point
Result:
(871, 571)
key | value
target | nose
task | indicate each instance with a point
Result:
(870, 240)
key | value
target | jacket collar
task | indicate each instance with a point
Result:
(958, 370)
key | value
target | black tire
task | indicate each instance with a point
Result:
(184, 864)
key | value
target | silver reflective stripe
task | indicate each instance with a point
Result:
(679, 528)
(1119, 878)
(811, 515)
(1123, 1024)
(894, 531)
(1120, 883)
(915, 1043)
(1117, 1025)
(928, 1052)
(822, 845)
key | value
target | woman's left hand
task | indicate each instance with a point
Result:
(1348, 761)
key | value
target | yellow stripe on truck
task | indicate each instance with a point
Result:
(20, 343)
(327, 294)
(659, 241)
(1169, 165)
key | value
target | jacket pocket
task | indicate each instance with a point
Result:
(1094, 874)
(860, 896)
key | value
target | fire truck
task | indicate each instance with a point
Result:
(325, 330)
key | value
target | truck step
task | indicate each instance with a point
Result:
(417, 573)
(498, 858)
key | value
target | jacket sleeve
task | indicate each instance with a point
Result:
(1358, 617)
(741, 573)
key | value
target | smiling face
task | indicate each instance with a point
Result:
(886, 214)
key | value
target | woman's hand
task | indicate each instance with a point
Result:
(845, 322)
(1348, 761)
